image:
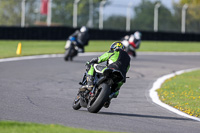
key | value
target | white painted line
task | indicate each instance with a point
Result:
(46, 56)
(93, 54)
(31, 57)
(169, 53)
(157, 84)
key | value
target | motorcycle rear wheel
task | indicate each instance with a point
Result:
(76, 103)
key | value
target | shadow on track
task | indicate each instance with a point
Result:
(145, 116)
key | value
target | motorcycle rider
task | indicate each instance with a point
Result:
(82, 38)
(133, 40)
(117, 59)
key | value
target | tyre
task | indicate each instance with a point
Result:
(101, 96)
(76, 103)
(134, 54)
(66, 56)
(73, 53)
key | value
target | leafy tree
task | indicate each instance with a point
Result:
(192, 2)
(10, 12)
(144, 17)
(193, 14)
(63, 12)
(167, 21)
(9, 17)
(115, 22)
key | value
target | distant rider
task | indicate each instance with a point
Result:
(135, 39)
(117, 59)
(82, 38)
(132, 42)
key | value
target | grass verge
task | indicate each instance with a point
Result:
(20, 127)
(8, 48)
(182, 92)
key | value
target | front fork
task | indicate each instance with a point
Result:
(110, 82)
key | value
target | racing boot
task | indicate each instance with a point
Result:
(107, 103)
(89, 85)
(114, 95)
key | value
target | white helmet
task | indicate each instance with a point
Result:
(137, 35)
(83, 29)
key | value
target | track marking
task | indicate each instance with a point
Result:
(93, 54)
(45, 56)
(157, 84)
(30, 57)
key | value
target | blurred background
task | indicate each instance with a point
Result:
(110, 14)
(55, 19)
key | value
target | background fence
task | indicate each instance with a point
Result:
(62, 33)
(131, 15)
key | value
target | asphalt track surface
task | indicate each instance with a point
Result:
(42, 91)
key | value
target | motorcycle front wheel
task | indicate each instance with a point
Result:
(101, 96)
(66, 56)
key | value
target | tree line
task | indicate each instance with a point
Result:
(169, 20)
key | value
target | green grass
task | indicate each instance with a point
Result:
(8, 48)
(20, 127)
(166, 46)
(183, 92)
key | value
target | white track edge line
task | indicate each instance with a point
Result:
(45, 56)
(90, 54)
(157, 84)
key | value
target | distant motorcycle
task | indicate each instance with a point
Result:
(132, 43)
(131, 50)
(103, 90)
(71, 50)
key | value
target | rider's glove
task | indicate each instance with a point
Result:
(87, 66)
(94, 60)
(87, 63)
